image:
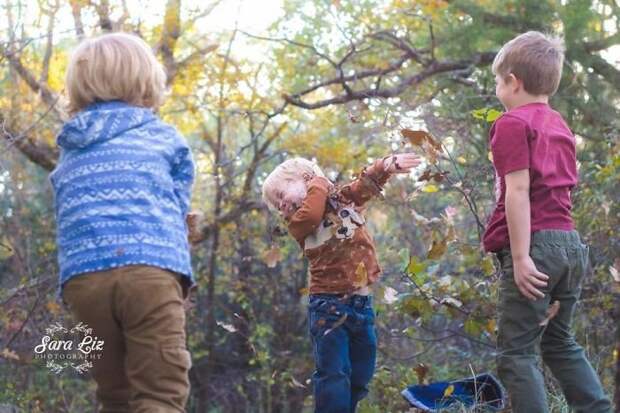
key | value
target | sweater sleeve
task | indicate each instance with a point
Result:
(310, 215)
(183, 177)
(369, 183)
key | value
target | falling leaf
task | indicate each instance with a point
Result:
(487, 114)
(304, 291)
(487, 266)
(490, 326)
(53, 307)
(426, 175)
(390, 295)
(430, 188)
(440, 176)
(421, 371)
(195, 221)
(353, 117)
(614, 273)
(228, 327)
(420, 137)
(438, 248)
(493, 114)
(461, 160)
(448, 391)
(9, 354)
(273, 256)
(552, 311)
(337, 324)
(415, 137)
(472, 327)
(361, 276)
(431, 151)
(297, 384)
(415, 266)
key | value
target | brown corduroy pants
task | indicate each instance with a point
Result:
(138, 311)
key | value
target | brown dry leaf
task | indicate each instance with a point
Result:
(491, 326)
(9, 354)
(361, 276)
(614, 274)
(426, 176)
(53, 307)
(421, 371)
(431, 151)
(552, 311)
(194, 221)
(437, 249)
(416, 137)
(273, 256)
(296, 383)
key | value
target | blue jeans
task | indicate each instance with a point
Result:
(345, 348)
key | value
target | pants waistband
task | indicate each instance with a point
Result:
(552, 236)
(355, 300)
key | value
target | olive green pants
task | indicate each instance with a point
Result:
(138, 312)
(564, 258)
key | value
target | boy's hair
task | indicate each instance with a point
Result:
(534, 58)
(115, 66)
(289, 170)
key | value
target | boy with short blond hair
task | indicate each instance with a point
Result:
(328, 224)
(122, 192)
(532, 232)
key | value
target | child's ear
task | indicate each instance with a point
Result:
(515, 83)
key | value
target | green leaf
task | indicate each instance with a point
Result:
(487, 114)
(472, 327)
(415, 265)
(492, 115)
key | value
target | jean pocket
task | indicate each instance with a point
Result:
(326, 319)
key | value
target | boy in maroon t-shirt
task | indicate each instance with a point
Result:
(542, 257)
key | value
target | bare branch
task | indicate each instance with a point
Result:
(51, 15)
(103, 11)
(602, 44)
(40, 153)
(169, 36)
(433, 69)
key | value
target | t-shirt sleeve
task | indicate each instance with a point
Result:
(509, 145)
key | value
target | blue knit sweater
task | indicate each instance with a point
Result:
(122, 191)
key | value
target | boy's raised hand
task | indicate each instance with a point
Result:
(401, 163)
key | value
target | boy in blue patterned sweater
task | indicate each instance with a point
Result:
(122, 189)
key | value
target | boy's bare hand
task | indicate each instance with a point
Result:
(401, 163)
(528, 279)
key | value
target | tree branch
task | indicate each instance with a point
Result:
(433, 69)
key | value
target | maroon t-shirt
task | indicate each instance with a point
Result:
(533, 137)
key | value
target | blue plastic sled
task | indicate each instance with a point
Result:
(483, 391)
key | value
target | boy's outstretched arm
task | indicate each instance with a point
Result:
(310, 215)
(374, 177)
(527, 278)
